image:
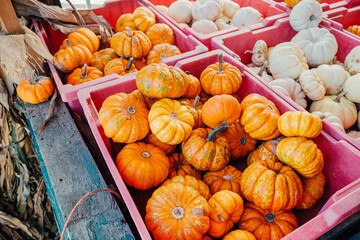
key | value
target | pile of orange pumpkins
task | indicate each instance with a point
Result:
(182, 132)
(139, 41)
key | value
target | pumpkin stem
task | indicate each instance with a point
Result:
(196, 101)
(220, 71)
(337, 99)
(334, 60)
(131, 109)
(248, 51)
(32, 77)
(312, 18)
(146, 154)
(83, 73)
(228, 178)
(270, 107)
(174, 115)
(178, 212)
(129, 65)
(243, 140)
(162, 56)
(270, 217)
(129, 32)
(67, 43)
(322, 117)
(187, 72)
(228, 22)
(213, 133)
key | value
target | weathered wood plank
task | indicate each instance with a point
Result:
(69, 173)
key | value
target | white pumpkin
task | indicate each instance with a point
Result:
(230, 8)
(287, 60)
(352, 61)
(162, 8)
(204, 26)
(331, 119)
(318, 44)
(209, 9)
(184, 25)
(332, 76)
(259, 53)
(264, 74)
(312, 85)
(354, 134)
(352, 88)
(181, 11)
(306, 14)
(290, 88)
(246, 16)
(340, 107)
(222, 25)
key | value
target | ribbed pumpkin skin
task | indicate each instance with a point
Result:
(70, 58)
(354, 29)
(215, 83)
(167, 148)
(302, 155)
(271, 185)
(161, 52)
(148, 101)
(191, 181)
(227, 178)
(171, 122)
(194, 110)
(125, 20)
(193, 87)
(241, 144)
(259, 117)
(83, 36)
(169, 201)
(161, 33)
(36, 92)
(313, 191)
(226, 208)
(239, 234)
(144, 19)
(118, 66)
(140, 63)
(101, 58)
(136, 46)
(121, 112)
(254, 220)
(206, 155)
(179, 166)
(91, 73)
(142, 166)
(220, 109)
(161, 81)
(266, 151)
(299, 124)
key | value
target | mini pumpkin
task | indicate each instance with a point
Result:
(193, 86)
(239, 234)
(332, 76)
(101, 58)
(313, 191)
(161, 52)
(85, 37)
(355, 29)
(290, 89)
(179, 166)
(306, 14)
(161, 33)
(119, 66)
(352, 61)
(140, 63)
(247, 16)
(125, 20)
(83, 75)
(204, 26)
(167, 148)
(331, 119)
(311, 84)
(142, 166)
(194, 106)
(351, 88)
(266, 151)
(230, 8)
(210, 10)
(144, 18)
(148, 101)
(181, 11)
(299, 124)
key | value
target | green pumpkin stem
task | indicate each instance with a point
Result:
(213, 133)
(220, 71)
(337, 99)
(83, 73)
(129, 32)
(196, 101)
(129, 65)
(269, 217)
(32, 77)
(67, 43)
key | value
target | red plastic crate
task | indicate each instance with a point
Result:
(326, 5)
(342, 161)
(111, 11)
(266, 7)
(280, 32)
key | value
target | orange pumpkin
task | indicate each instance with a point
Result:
(70, 58)
(299, 124)
(204, 96)
(226, 208)
(266, 151)
(130, 44)
(36, 89)
(227, 178)
(221, 78)
(239, 234)
(167, 148)
(313, 191)
(206, 151)
(193, 86)
(207, 237)
(125, 20)
(144, 19)
(83, 75)
(148, 101)
(354, 29)
(197, 184)
(177, 211)
(259, 117)
(121, 112)
(101, 58)
(161, 33)
(219, 110)
(267, 224)
(140, 63)
(161, 52)
(119, 66)
(271, 185)
(194, 107)
(302, 155)
(179, 166)
(142, 166)
(170, 121)
(83, 36)
(160, 81)
(241, 144)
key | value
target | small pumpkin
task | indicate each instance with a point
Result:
(247, 16)
(351, 88)
(144, 18)
(259, 117)
(194, 106)
(290, 89)
(206, 151)
(191, 181)
(139, 63)
(101, 58)
(266, 151)
(239, 234)
(142, 166)
(181, 11)
(311, 84)
(302, 155)
(170, 121)
(121, 112)
(271, 185)
(83, 75)
(193, 86)
(332, 76)
(148, 101)
(204, 26)
(221, 78)
(230, 8)
(210, 10)
(179, 166)
(227, 178)
(161, 52)
(167, 148)
(299, 124)
(83, 36)
(355, 29)
(36, 89)
(177, 211)
(125, 20)
(163, 9)
(306, 14)
(219, 110)
(226, 208)
(119, 66)
(161, 33)
(331, 119)
(352, 61)
(313, 191)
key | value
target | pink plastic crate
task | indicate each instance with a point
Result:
(341, 168)
(111, 11)
(266, 7)
(326, 5)
(280, 32)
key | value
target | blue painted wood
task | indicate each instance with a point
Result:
(69, 173)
